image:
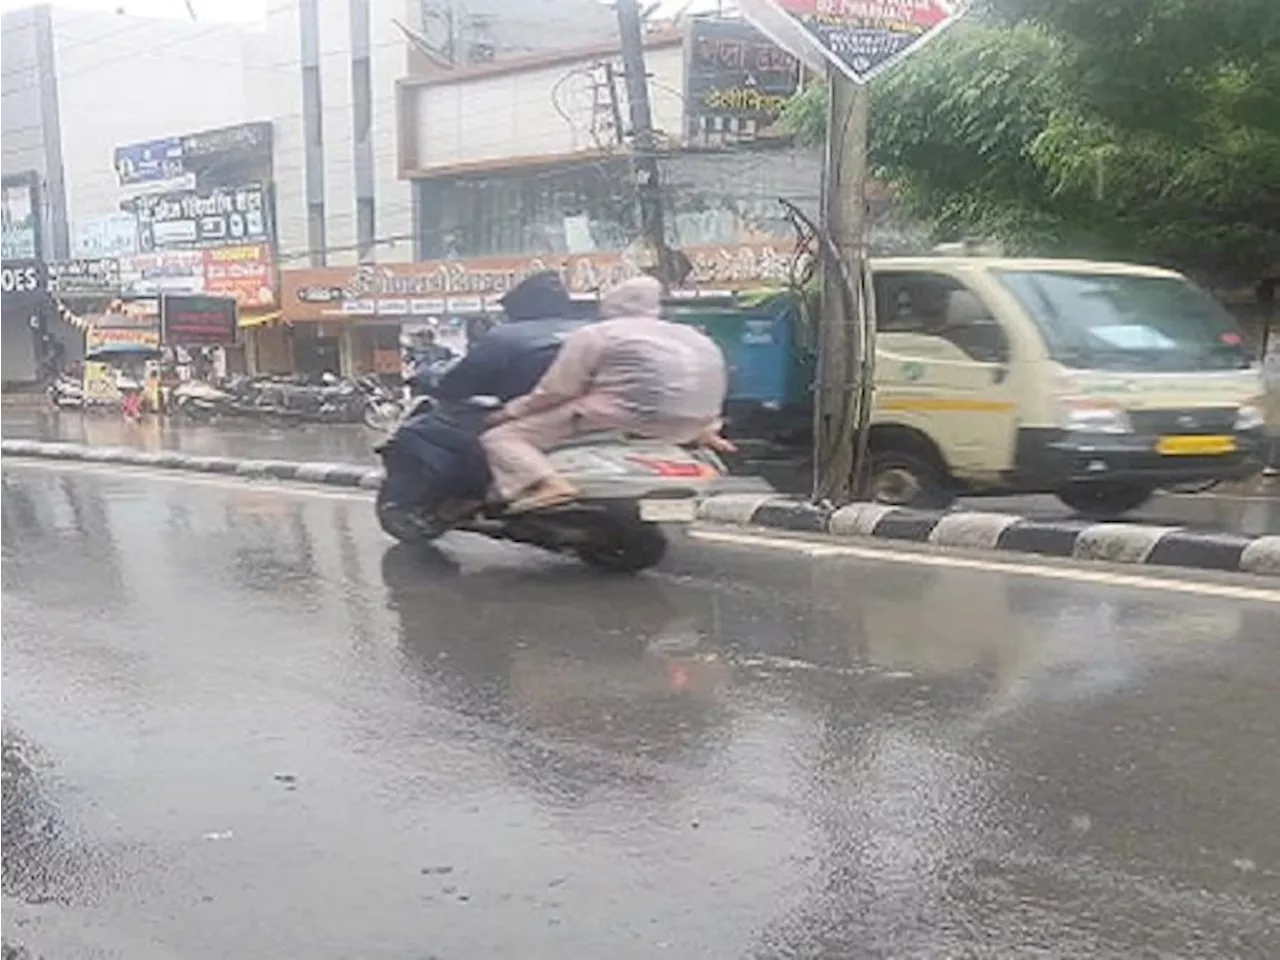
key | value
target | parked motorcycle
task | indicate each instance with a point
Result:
(383, 409)
(197, 400)
(66, 393)
(629, 489)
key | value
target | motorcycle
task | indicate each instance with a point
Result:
(383, 410)
(630, 489)
(197, 400)
(66, 393)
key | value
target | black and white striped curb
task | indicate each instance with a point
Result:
(1079, 539)
(1136, 543)
(329, 474)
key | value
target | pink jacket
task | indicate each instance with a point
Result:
(635, 364)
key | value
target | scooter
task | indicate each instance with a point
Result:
(630, 488)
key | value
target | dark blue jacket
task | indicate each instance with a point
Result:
(509, 361)
(437, 454)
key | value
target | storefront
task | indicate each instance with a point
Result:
(25, 344)
(364, 311)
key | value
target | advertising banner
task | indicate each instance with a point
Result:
(736, 71)
(244, 273)
(220, 216)
(141, 338)
(151, 274)
(471, 285)
(196, 161)
(113, 235)
(861, 38)
(85, 277)
(198, 321)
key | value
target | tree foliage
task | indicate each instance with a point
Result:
(1145, 129)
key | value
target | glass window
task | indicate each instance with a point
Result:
(1127, 322)
(935, 305)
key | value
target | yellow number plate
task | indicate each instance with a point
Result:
(1195, 446)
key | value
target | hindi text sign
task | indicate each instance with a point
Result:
(861, 38)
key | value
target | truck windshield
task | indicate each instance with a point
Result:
(1127, 322)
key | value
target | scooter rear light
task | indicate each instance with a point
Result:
(674, 468)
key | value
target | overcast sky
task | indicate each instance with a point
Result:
(245, 9)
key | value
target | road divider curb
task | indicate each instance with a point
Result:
(327, 474)
(1128, 543)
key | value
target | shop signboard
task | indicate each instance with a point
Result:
(437, 287)
(112, 235)
(21, 279)
(860, 38)
(736, 72)
(151, 274)
(198, 321)
(85, 277)
(216, 217)
(244, 273)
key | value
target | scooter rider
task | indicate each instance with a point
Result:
(439, 451)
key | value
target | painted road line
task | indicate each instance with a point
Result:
(1076, 574)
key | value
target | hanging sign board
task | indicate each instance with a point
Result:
(860, 38)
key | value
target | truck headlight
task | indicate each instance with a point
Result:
(1250, 417)
(1086, 415)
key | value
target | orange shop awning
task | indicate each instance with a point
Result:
(249, 320)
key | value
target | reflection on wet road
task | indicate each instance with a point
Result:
(237, 723)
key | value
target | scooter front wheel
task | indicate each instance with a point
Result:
(405, 525)
(629, 550)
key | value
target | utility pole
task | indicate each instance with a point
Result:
(845, 355)
(644, 148)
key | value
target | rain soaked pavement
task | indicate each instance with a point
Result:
(238, 724)
(1252, 508)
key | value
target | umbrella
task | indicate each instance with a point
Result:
(108, 351)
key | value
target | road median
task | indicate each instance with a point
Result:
(1112, 542)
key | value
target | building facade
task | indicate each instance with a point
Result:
(78, 85)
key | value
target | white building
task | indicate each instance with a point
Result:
(326, 73)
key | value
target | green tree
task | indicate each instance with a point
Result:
(1146, 129)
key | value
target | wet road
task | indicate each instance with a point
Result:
(1252, 508)
(237, 724)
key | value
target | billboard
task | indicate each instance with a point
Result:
(198, 321)
(735, 73)
(199, 219)
(244, 273)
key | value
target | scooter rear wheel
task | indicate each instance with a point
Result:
(629, 550)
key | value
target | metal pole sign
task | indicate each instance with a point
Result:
(860, 38)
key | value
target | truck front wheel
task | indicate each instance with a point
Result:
(1105, 500)
(904, 478)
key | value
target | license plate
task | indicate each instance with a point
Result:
(668, 511)
(1195, 446)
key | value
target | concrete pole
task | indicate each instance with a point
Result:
(644, 147)
(843, 340)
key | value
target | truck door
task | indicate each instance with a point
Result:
(943, 368)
